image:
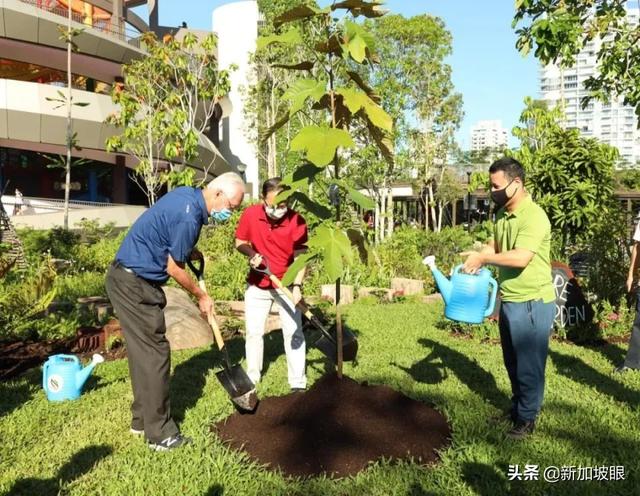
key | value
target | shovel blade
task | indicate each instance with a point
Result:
(240, 388)
(329, 347)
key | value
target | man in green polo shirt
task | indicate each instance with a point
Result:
(520, 249)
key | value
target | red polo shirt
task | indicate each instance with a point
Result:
(275, 239)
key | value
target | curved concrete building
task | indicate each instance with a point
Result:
(33, 68)
(236, 26)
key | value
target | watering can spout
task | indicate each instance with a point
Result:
(83, 375)
(444, 284)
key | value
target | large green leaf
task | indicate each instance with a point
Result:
(298, 264)
(315, 208)
(335, 247)
(298, 181)
(360, 7)
(299, 12)
(290, 37)
(358, 40)
(321, 143)
(302, 89)
(356, 100)
(361, 200)
(301, 66)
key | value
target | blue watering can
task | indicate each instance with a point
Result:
(63, 377)
(466, 296)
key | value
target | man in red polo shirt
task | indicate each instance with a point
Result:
(280, 234)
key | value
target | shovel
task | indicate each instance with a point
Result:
(327, 343)
(233, 378)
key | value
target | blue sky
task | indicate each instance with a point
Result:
(491, 75)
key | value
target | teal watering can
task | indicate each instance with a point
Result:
(467, 297)
(63, 377)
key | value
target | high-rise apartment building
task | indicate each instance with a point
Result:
(613, 122)
(488, 135)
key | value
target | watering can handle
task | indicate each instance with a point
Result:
(45, 368)
(70, 357)
(492, 298)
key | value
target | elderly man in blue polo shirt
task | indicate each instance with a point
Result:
(157, 247)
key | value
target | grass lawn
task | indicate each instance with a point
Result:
(590, 419)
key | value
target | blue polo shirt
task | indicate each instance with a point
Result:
(170, 227)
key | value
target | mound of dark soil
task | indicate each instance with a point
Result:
(337, 427)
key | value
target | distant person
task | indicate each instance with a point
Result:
(156, 248)
(17, 202)
(632, 360)
(520, 248)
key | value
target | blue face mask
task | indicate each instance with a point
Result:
(221, 216)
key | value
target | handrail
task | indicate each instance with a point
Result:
(127, 34)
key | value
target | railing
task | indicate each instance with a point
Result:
(130, 35)
(29, 205)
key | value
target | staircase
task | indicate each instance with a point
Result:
(9, 236)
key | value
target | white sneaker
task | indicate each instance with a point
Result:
(136, 432)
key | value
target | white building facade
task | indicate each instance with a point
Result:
(488, 135)
(612, 123)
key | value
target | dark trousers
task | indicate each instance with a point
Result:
(633, 354)
(524, 334)
(138, 305)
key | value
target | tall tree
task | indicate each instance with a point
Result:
(166, 103)
(560, 29)
(339, 101)
(415, 85)
(570, 176)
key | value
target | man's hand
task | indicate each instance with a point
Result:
(196, 255)
(630, 283)
(206, 305)
(473, 263)
(297, 294)
(255, 261)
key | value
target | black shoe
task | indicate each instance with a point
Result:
(621, 369)
(522, 429)
(172, 442)
(506, 416)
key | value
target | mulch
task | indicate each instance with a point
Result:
(337, 427)
(18, 356)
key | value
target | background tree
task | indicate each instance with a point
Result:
(559, 29)
(68, 34)
(571, 177)
(166, 103)
(415, 86)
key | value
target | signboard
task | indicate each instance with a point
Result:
(572, 308)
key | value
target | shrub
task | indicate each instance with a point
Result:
(73, 286)
(97, 256)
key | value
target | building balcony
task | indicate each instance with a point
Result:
(36, 22)
(29, 121)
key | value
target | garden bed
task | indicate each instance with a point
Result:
(19, 356)
(337, 428)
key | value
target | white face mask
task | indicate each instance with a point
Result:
(276, 213)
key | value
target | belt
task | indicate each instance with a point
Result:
(118, 265)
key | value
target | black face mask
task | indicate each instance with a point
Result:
(500, 197)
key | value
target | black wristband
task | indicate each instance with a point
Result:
(246, 249)
(296, 284)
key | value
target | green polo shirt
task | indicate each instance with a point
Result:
(526, 227)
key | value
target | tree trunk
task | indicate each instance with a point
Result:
(390, 220)
(67, 178)
(432, 208)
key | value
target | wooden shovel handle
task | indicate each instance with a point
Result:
(212, 320)
(278, 284)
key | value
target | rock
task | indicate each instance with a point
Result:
(432, 298)
(328, 292)
(185, 327)
(236, 310)
(407, 287)
(382, 293)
